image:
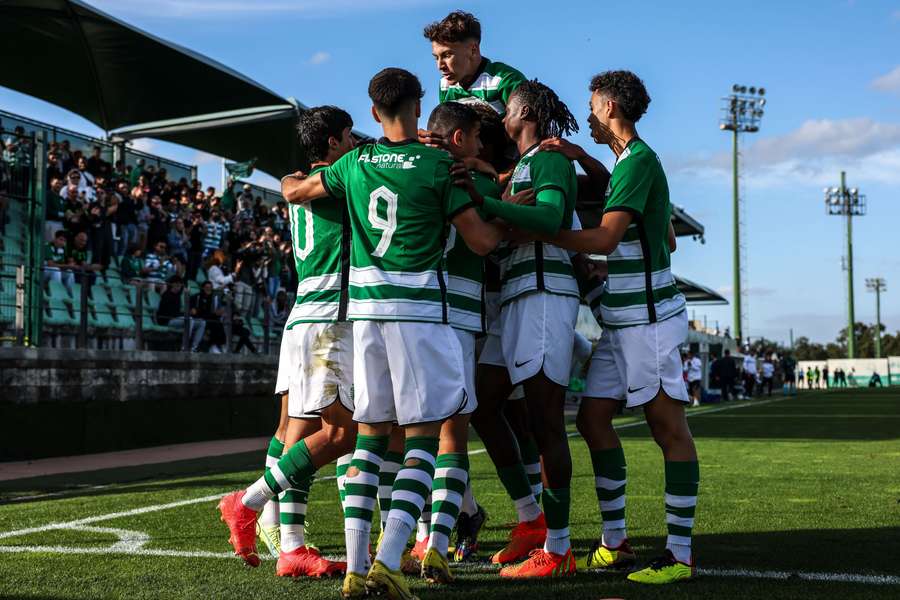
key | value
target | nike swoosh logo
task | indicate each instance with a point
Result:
(518, 364)
(633, 391)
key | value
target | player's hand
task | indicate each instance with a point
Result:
(523, 198)
(430, 138)
(564, 147)
(459, 175)
(519, 237)
(476, 164)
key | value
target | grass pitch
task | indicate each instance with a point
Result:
(799, 498)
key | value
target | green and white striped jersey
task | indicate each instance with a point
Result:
(640, 288)
(493, 84)
(538, 266)
(400, 198)
(320, 240)
(465, 271)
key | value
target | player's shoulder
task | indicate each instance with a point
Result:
(485, 185)
(638, 151)
(503, 69)
(551, 159)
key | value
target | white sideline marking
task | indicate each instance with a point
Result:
(115, 550)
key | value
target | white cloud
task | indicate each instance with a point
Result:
(319, 58)
(812, 153)
(206, 9)
(889, 82)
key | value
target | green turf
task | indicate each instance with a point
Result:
(806, 484)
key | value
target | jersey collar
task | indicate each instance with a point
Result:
(386, 142)
(481, 67)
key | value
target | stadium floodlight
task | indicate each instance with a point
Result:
(742, 114)
(847, 202)
(877, 285)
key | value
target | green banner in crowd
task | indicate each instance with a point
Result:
(242, 169)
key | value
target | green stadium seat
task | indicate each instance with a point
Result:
(57, 290)
(201, 276)
(125, 318)
(58, 312)
(100, 313)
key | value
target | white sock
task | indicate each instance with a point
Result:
(258, 495)
(440, 542)
(527, 509)
(396, 534)
(613, 538)
(469, 506)
(557, 541)
(357, 551)
(292, 537)
(681, 552)
(422, 527)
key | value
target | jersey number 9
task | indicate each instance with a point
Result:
(386, 225)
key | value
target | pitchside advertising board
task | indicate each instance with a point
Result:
(858, 370)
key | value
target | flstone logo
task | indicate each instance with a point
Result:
(391, 161)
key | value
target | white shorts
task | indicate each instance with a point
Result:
(407, 372)
(315, 367)
(633, 363)
(467, 343)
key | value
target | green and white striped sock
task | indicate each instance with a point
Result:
(451, 473)
(610, 480)
(515, 480)
(556, 509)
(269, 515)
(291, 471)
(531, 459)
(361, 485)
(682, 482)
(340, 471)
(389, 469)
(411, 487)
(292, 505)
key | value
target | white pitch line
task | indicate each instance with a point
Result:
(114, 550)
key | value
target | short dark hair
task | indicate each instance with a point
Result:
(493, 136)
(626, 89)
(393, 90)
(458, 26)
(450, 116)
(553, 117)
(317, 125)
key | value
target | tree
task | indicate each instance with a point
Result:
(807, 350)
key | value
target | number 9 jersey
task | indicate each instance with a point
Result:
(399, 198)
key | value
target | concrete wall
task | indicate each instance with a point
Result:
(61, 402)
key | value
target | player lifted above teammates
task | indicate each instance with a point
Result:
(467, 76)
(408, 366)
(644, 324)
(315, 366)
(539, 298)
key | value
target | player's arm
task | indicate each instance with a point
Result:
(479, 236)
(596, 171)
(602, 239)
(299, 188)
(673, 243)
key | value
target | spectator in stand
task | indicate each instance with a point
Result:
(77, 258)
(215, 230)
(56, 266)
(178, 240)
(750, 369)
(86, 180)
(727, 375)
(96, 166)
(56, 209)
(125, 218)
(157, 222)
(825, 376)
(693, 366)
(74, 215)
(132, 264)
(157, 266)
(216, 274)
(240, 331)
(136, 172)
(245, 203)
(170, 312)
(99, 217)
(768, 374)
(205, 305)
(279, 309)
(196, 234)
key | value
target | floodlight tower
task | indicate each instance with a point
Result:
(743, 110)
(877, 285)
(847, 202)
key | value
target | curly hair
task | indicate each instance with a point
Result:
(553, 117)
(626, 89)
(458, 26)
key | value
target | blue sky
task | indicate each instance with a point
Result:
(831, 68)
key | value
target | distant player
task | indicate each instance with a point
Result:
(466, 75)
(408, 360)
(539, 299)
(315, 365)
(644, 324)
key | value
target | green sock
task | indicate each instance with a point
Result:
(451, 471)
(340, 471)
(610, 480)
(682, 482)
(531, 459)
(556, 509)
(292, 470)
(515, 480)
